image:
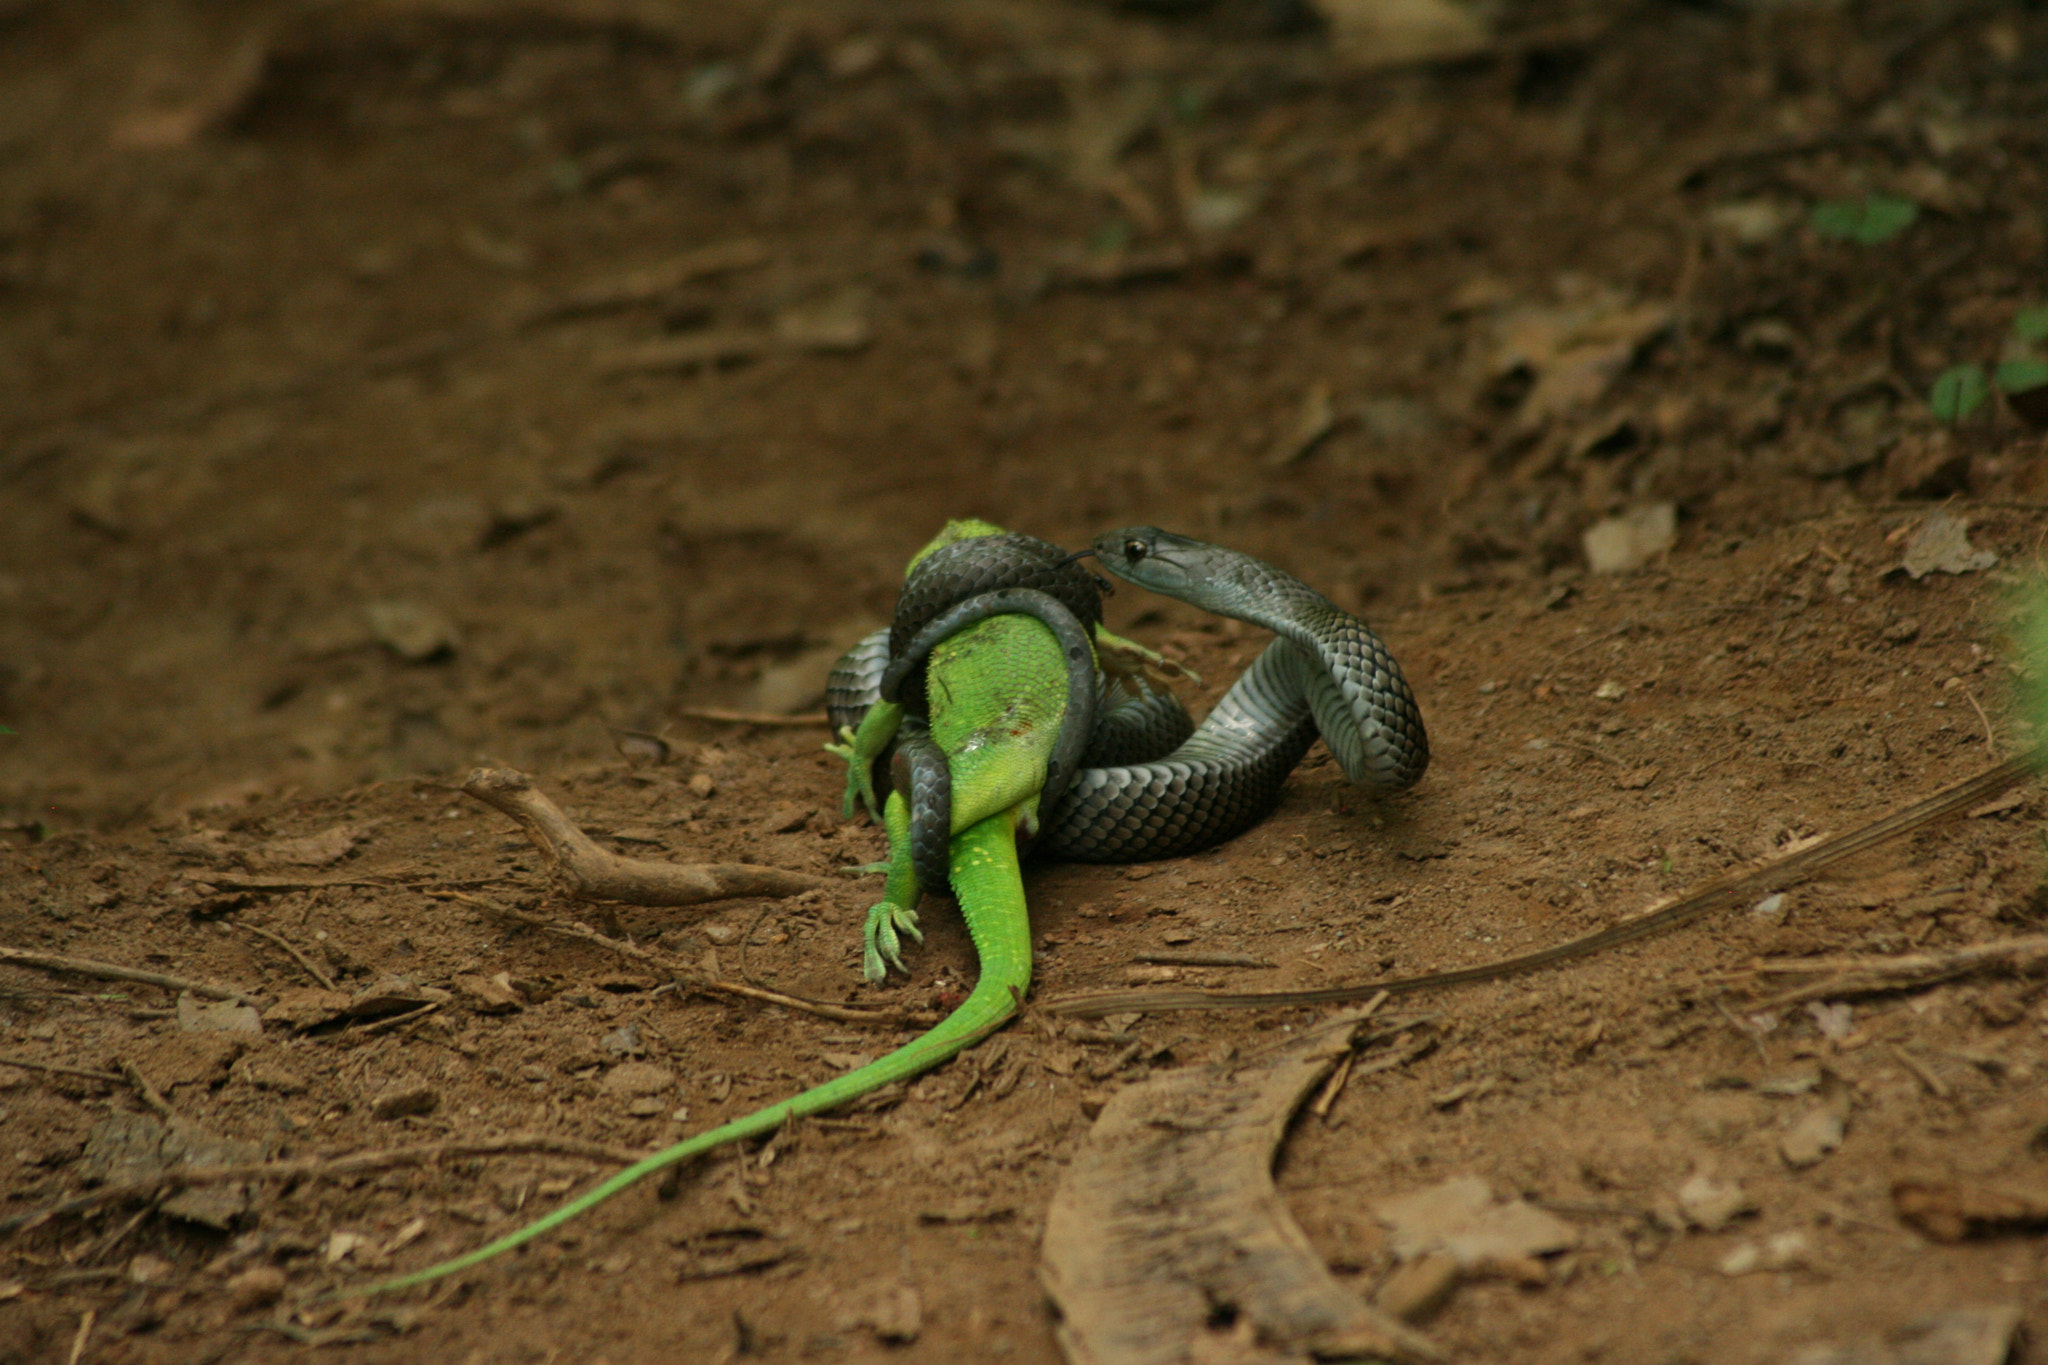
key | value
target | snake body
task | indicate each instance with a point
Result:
(1140, 785)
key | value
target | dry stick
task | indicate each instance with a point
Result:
(322, 1168)
(1878, 975)
(1715, 895)
(753, 717)
(80, 966)
(1334, 1086)
(85, 1323)
(151, 1096)
(1169, 959)
(325, 981)
(690, 977)
(246, 881)
(109, 1077)
(396, 1021)
(1935, 1085)
(596, 874)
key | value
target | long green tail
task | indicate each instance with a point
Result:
(990, 886)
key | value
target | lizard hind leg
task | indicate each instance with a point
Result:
(860, 748)
(895, 914)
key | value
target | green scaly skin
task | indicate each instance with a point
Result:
(998, 696)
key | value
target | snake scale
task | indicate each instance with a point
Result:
(1133, 779)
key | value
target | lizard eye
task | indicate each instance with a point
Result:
(1135, 550)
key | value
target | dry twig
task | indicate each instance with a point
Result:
(151, 1096)
(322, 979)
(322, 1168)
(1875, 975)
(112, 971)
(109, 1077)
(688, 976)
(1719, 894)
(596, 874)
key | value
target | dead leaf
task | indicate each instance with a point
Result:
(1943, 543)
(1632, 539)
(1710, 1204)
(1462, 1219)
(303, 1007)
(1168, 1209)
(1575, 351)
(1951, 1210)
(309, 850)
(1819, 1131)
(125, 1147)
(895, 1311)
(1959, 1336)
(217, 1016)
(342, 1245)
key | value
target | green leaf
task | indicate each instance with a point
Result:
(2031, 326)
(1958, 391)
(2023, 373)
(1872, 219)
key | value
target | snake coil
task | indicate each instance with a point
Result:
(1129, 782)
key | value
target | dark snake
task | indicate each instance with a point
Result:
(1131, 778)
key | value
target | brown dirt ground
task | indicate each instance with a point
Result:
(346, 442)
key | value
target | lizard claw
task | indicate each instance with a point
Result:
(1129, 659)
(881, 946)
(860, 773)
(860, 748)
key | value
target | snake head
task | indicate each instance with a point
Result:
(1150, 557)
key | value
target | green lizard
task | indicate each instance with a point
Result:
(998, 696)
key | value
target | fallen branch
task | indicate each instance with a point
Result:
(596, 874)
(320, 978)
(321, 1168)
(113, 971)
(1721, 893)
(1168, 1212)
(109, 1077)
(151, 1096)
(1877, 975)
(684, 974)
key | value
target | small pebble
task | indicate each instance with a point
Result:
(638, 1079)
(255, 1287)
(406, 1101)
(702, 787)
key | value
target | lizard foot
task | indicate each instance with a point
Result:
(860, 775)
(881, 946)
(1129, 659)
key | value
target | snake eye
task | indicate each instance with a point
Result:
(1135, 550)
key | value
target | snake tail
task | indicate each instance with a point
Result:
(990, 886)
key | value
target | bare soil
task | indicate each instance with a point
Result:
(389, 386)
